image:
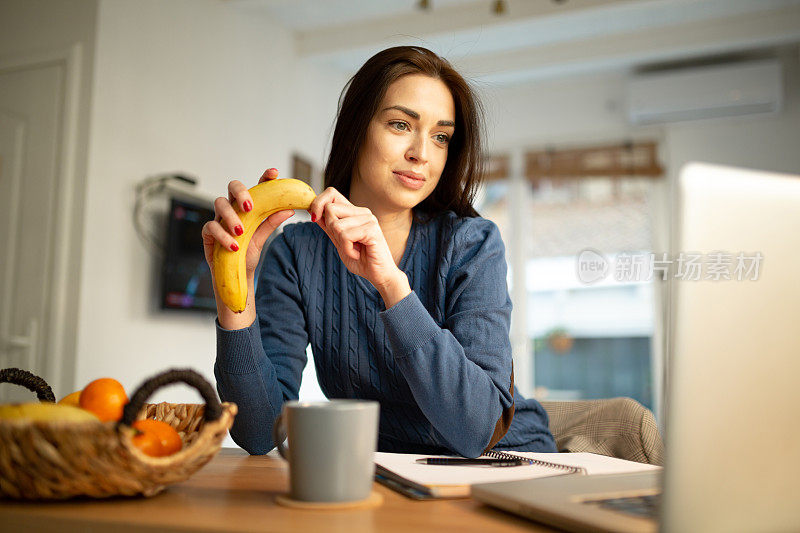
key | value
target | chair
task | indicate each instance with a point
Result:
(617, 427)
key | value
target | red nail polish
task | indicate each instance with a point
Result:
(238, 230)
(235, 247)
(248, 205)
(313, 217)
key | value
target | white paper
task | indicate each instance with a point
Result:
(404, 465)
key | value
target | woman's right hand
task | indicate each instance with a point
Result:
(227, 225)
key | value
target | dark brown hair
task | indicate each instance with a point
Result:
(359, 101)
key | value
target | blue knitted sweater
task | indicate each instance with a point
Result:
(438, 361)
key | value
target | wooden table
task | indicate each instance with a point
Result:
(236, 492)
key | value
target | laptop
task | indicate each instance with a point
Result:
(732, 433)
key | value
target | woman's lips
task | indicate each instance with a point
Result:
(409, 182)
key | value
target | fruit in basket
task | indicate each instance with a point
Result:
(105, 397)
(72, 399)
(168, 439)
(230, 275)
(45, 411)
(149, 443)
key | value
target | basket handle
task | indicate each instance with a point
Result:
(30, 381)
(213, 408)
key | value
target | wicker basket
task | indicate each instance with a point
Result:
(63, 459)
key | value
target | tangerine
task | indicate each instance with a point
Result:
(71, 399)
(169, 438)
(105, 397)
(149, 443)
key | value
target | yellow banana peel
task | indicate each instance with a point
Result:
(45, 412)
(230, 268)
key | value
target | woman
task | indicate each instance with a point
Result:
(397, 283)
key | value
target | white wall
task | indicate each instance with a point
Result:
(768, 143)
(39, 26)
(590, 109)
(199, 86)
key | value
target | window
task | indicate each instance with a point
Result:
(586, 338)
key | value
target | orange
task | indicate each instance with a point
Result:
(169, 438)
(71, 399)
(105, 397)
(149, 443)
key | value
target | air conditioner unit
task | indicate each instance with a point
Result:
(707, 92)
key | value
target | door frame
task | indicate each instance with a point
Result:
(62, 321)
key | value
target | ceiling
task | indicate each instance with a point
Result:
(534, 39)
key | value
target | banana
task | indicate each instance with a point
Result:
(230, 276)
(45, 411)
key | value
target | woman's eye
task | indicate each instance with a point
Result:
(399, 123)
(443, 138)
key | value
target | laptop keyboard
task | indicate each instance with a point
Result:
(642, 506)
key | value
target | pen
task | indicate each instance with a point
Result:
(443, 461)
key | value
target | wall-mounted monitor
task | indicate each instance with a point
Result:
(186, 278)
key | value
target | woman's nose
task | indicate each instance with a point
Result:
(417, 151)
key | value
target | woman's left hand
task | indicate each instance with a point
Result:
(360, 242)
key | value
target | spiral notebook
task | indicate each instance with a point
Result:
(400, 471)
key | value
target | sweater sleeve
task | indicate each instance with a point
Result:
(260, 367)
(461, 374)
